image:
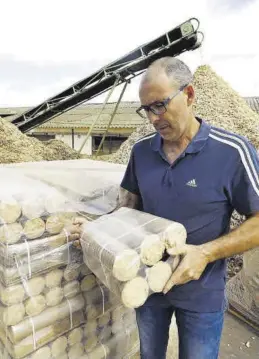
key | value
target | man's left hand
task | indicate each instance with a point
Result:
(75, 230)
(191, 267)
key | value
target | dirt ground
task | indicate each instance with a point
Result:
(238, 341)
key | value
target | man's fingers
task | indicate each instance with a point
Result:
(74, 236)
(168, 285)
(77, 244)
(79, 221)
(175, 251)
(74, 229)
(173, 280)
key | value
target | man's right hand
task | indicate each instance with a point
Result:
(75, 230)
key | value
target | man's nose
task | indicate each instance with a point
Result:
(153, 118)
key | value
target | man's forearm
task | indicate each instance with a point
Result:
(245, 237)
(128, 199)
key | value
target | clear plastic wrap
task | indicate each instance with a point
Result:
(112, 335)
(33, 304)
(27, 267)
(48, 296)
(126, 250)
(37, 207)
(92, 183)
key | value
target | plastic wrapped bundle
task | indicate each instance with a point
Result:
(35, 331)
(37, 208)
(46, 291)
(37, 205)
(42, 308)
(94, 339)
(36, 296)
(87, 184)
(45, 284)
(34, 227)
(126, 250)
(49, 233)
(65, 281)
(28, 267)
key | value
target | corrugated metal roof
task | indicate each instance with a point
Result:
(83, 116)
(253, 102)
(6, 112)
(120, 121)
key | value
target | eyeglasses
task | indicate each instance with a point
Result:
(158, 107)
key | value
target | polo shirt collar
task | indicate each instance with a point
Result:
(197, 143)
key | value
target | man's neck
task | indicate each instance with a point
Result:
(173, 149)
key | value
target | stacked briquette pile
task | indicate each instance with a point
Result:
(51, 305)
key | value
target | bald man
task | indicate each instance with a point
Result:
(190, 172)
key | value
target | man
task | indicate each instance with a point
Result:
(197, 175)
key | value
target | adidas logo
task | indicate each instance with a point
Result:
(192, 183)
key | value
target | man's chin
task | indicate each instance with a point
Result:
(168, 137)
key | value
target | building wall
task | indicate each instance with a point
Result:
(83, 130)
(42, 137)
(78, 140)
(113, 140)
(111, 143)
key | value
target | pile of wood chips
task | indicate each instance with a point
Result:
(17, 147)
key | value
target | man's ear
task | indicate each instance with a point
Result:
(190, 93)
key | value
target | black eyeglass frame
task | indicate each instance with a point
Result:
(162, 103)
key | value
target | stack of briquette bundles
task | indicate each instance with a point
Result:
(51, 305)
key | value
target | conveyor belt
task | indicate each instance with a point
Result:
(184, 37)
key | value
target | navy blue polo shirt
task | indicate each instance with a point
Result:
(217, 173)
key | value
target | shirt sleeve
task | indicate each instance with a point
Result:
(245, 182)
(129, 181)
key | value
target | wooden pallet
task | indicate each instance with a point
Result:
(245, 319)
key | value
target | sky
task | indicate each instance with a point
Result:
(47, 45)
